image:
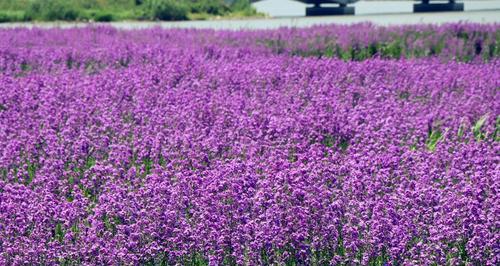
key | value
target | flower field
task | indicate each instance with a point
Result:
(331, 145)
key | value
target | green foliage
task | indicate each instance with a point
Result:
(496, 137)
(479, 131)
(11, 16)
(214, 7)
(13, 4)
(221, 7)
(328, 141)
(392, 50)
(51, 10)
(292, 155)
(59, 232)
(111, 223)
(103, 16)
(195, 259)
(380, 260)
(329, 52)
(31, 172)
(344, 144)
(460, 132)
(166, 10)
(434, 137)
(240, 5)
(112, 10)
(89, 163)
(476, 129)
(148, 166)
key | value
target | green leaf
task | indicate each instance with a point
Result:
(75, 229)
(31, 172)
(433, 140)
(59, 232)
(292, 155)
(90, 162)
(148, 165)
(461, 132)
(328, 140)
(344, 144)
(329, 52)
(497, 129)
(476, 129)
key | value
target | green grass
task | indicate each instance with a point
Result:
(476, 130)
(435, 136)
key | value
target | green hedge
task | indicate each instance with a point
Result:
(166, 10)
(52, 10)
(111, 10)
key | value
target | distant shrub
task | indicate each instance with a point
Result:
(103, 17)
(214, 7)
(166, 10)
(5, 18)
(10, 16)
(243, 8)
(240, 5)
(51, 10)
